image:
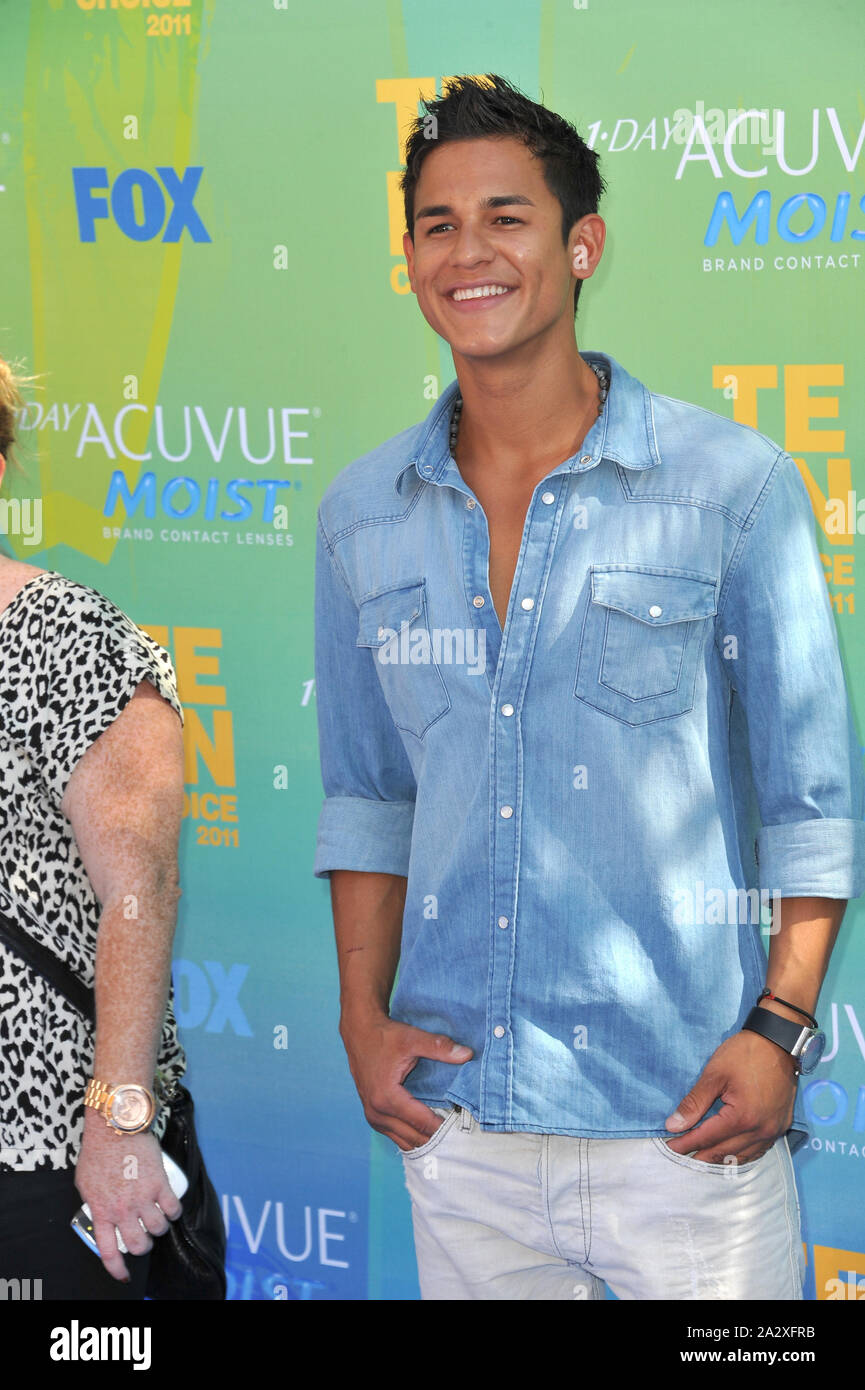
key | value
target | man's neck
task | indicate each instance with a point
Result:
(517, 421)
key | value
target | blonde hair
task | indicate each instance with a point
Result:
(10, 403)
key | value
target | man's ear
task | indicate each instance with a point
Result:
(2, 468)
(408, 252)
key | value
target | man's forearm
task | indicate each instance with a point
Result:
(799, 951)
(367, 916)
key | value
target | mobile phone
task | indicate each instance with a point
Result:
(82, 1221)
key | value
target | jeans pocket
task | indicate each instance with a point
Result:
(641, 640)
(434, 1140)
(728, 1170)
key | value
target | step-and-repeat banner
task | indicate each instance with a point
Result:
(202, 265)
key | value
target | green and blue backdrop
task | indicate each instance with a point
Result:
(202, 266)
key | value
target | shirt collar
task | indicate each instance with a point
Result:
(625, 432)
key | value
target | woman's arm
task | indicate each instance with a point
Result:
(124, 801)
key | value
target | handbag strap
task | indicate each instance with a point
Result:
(79, 995)
(45, 963)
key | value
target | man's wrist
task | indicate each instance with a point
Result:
(358, 1013)
(788, 1028)
(774, 1007)
(773, 1049)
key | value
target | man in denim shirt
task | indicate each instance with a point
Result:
(585, 746)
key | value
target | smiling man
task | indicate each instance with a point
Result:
(587, 1063)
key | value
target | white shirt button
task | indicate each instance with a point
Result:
(655, 611)
(499, 1031)
(548, 497)
(507, 709)
(381, 632)
(527, 603)
(586, 458)
(478, 600)
(470, 502)
(503, 921)
(507, 812)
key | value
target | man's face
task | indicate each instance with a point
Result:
(514, 245)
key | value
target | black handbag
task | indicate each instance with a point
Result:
(188, 1261)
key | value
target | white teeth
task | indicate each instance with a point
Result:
(480, 292)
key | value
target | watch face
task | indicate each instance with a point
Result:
(130, 1108)
(812, 1052)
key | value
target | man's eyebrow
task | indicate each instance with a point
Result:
(499, 200)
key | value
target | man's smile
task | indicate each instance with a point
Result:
(473, 297)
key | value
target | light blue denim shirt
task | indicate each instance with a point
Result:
(595, 807)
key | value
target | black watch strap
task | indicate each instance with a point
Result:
(767, 994)
(788, 1035)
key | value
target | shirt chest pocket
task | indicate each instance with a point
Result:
(393, 623)
(642, 636)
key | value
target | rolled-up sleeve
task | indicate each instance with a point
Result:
(785, 665)
(367, 815)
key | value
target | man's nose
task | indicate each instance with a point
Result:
(470, 244)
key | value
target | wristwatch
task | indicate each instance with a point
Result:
(804, 1044)
(128, 1108)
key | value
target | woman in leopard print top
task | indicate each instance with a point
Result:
(90, 800)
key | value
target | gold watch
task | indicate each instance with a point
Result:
(128, 1108)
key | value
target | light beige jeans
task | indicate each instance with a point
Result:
(545, 1216)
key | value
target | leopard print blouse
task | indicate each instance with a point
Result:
(70, 661)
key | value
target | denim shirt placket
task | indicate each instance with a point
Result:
(508, 666)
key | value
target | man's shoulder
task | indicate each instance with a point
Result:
(707, 458)
(366, 488)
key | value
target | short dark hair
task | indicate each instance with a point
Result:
(490, 108)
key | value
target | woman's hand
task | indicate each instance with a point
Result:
(122, 1179)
